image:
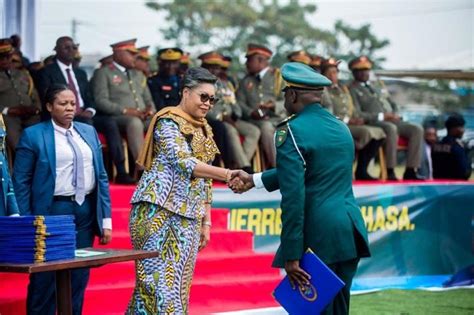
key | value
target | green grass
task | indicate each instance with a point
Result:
(414, 302)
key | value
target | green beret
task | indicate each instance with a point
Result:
(299, 75)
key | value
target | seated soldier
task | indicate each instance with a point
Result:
(450, 159)
(228, 113)
(338, 99)
(379, 110)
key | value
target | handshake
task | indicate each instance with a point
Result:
(239, 181)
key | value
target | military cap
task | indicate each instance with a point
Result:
(455, 120)
(106, 60)
(126, 45)
(299, 56)
(301, 76)
(143, 53)
(328, 63)
(255, 49)
(316, 61)
(360, 63)
(185, 59)
(211, 58)
(170, 54)
(6, 47)
(226, 61)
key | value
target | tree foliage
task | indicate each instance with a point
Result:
(353, 42)
(229, 26)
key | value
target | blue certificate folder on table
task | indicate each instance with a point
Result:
(324, 285)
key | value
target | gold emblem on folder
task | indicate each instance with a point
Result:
(308, 292)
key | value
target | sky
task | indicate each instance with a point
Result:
(423, 33)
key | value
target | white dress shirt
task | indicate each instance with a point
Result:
(64, 162)
(430, 161)
(257, 180)
(63, 68)
(262, 73)
(65, 168)
(120, 67)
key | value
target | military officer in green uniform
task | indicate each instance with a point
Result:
(315, 151)
(19, 101)
(229, 113)
(378, 110)
(258, 95)
(338, 100)
(119, 92)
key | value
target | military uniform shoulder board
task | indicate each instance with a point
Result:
(281, 134)
(278, 81)
(282, 131)
(284, 121)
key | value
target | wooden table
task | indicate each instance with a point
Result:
(63, 270)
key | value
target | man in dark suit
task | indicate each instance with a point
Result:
(59, 171)
(450, 159)
(319, 210)
(62, 71)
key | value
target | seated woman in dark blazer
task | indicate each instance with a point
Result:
(59, 170)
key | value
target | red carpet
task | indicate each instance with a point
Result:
(229, 274)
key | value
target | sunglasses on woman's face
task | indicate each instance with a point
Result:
(205, 97)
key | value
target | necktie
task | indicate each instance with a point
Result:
(78, 169)
(367, 85)
(72, 87)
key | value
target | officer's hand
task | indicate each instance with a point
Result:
(256, 115)
(270, 105)
(240, 181)
(391, 117)
(18, 111)
(296, 275)
(149, 111)
(134, 112)
(356, 121)
(106, 237)
(84, 113)
(228, 120)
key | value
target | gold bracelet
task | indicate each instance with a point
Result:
(227, 171)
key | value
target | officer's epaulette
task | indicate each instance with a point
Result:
(278, 81)
(285, 121)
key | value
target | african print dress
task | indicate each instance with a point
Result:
(168, 206)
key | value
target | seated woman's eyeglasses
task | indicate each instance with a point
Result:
(205, 97)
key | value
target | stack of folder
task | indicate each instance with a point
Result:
(35, 239)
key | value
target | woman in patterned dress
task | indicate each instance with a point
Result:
(171, 204)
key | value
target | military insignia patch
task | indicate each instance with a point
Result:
(249, 85)
(281, 135)
(116, 79)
